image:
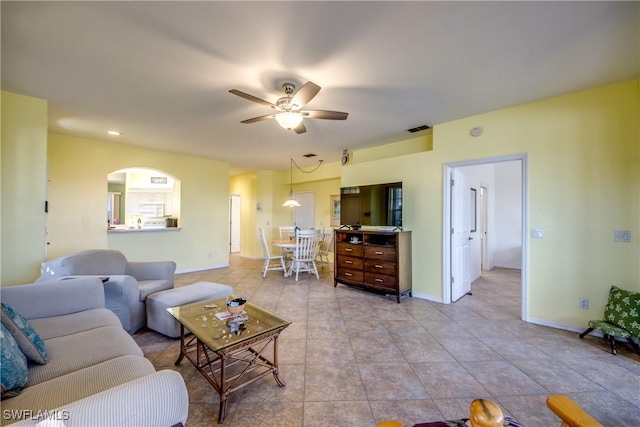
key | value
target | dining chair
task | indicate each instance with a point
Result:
(268, 258)
(304, 253)
(324, 247)
(287, 232)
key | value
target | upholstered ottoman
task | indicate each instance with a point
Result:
(160, 320)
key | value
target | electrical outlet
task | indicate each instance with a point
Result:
(584, 303)
(537, 233)
(622, 236)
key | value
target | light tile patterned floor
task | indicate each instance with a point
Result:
(352, 358)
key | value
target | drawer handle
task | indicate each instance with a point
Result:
(379, 280)
(378, 266)
(379, 253)
(348, 262)
(348, 249)
(348, 274)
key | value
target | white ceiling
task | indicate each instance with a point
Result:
(160, 72)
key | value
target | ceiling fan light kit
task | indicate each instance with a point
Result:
(289, 113)
(289, 120)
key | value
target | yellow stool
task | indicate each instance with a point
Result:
(485, 413)
(390, 423)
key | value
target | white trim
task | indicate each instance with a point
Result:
(447, 173)
(425, 297)
(562, 326)
(206, 267)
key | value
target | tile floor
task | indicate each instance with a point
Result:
(352, 358)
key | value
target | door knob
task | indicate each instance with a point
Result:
(470, 238)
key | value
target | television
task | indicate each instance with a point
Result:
(378, 205)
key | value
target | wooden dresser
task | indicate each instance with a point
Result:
(378, 261)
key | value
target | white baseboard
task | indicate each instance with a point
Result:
(206, 267)
(426, 297)
(557, 325)
(510, 266)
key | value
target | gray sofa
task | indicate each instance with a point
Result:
(96, 374)
(129, 283)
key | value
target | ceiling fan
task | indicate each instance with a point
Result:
(289, 112)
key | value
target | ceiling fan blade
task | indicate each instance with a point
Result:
(300, 128)
(258, 119)
(305, 94)
(325, 114)
(251, 98)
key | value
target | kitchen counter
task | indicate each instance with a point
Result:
(141, 230)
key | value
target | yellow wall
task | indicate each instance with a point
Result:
(78, 172)
(246, 186)
(418, 144)
(584, 183)
(24, 165)
(270, 189)
(323, 191)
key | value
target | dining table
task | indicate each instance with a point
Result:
(285, 245)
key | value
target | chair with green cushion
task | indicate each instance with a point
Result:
(621, 318)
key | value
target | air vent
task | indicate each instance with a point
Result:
(419, 128)
(309, 155)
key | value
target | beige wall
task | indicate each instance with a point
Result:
(24, 166)
(78, 183)
(270, 189)
(246, 186)
(584, 182)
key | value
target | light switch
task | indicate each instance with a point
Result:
(537, 233)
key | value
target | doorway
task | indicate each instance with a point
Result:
(491, 220)
(234, 223)
(304, 216)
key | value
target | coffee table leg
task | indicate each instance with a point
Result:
(275, 362)
(182, 349)
(222, 412)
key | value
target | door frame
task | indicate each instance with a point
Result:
(235, 200)
(447, 171)
(484, 237)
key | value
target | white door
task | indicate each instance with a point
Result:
(304, 216)
(234, 226)
(460, 235)
(483, 222)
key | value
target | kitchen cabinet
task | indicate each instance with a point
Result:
(377, 261)
(146, 202)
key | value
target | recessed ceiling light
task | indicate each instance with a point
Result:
(113, 132)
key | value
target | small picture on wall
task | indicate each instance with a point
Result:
(335, 211)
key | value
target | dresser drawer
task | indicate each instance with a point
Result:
(380, 281)
(380, 252)
(349, 262)
(349, 249)
(347, 274)
(380, 267)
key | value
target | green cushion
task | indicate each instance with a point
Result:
(609, 329)
(623, 310)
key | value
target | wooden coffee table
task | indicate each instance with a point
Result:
(213, 349)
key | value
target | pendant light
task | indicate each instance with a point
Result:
(291, 202)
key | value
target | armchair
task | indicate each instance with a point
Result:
(128, 284)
